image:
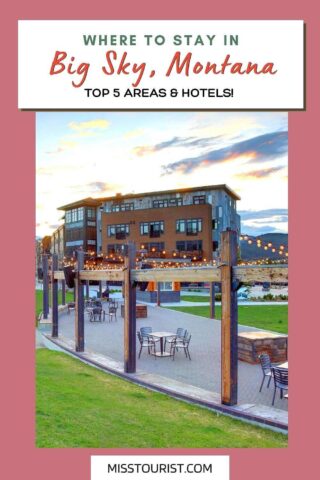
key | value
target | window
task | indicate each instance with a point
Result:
(152, 246)
(191, 226)
(189, 246)
(116, 248)
(91, 242)
(122, 207)
(180, 226)
(122, 228)
(152, 228)
(91, 212)
(214, 224)
(74, 215)
(167, 202)
(199, 200)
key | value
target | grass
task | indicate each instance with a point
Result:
(39, 296)
(195, 298)
(80, 406)
(266, 317)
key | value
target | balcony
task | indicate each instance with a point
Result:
(154, 234)
(121, 235)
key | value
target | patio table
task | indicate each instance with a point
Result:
(283, 365)
(161, 336)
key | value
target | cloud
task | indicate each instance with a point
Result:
(258, 173)
(264, 221)
(186, 142)
(54, 226)
(99, 187)
(263, 214)
(134, 133)
(89, 128)
(100, 124)
(256, 231)
(261, 148)
(63, 146)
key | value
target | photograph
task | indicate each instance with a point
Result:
(161, 279)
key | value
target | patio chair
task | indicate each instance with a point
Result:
(146, 332)
(280, 377)
(148, 343)
(266, 367)
(177, 344)
(180, 335)
(97, 314)
(112, 312)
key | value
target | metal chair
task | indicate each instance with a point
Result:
(112, 312)
(97, 314)
(146, 333)
(280, 377)
(266, 367)
(184, 344)
(180, 335)
(146, 342)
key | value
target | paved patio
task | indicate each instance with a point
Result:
(203, 371)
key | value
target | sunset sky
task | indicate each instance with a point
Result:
(97, 154)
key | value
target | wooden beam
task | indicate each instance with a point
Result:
(129, 312)
(261, 273)
(54, 284)
(212, 300)
(45, 287)
(245, 273)
(79, 310)
(229, 320)
(112, 275)
(196, 274)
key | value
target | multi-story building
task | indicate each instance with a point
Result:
(173, 224)
(80, 226)
(57, 242)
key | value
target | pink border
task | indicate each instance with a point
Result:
(17, 189)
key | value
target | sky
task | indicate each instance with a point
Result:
(96, 154)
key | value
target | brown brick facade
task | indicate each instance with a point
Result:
(169, 216)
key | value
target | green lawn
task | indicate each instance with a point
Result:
(195, 298)
(266, 317)
(39, 295)
(80, 406)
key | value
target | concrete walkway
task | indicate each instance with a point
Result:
(203, 371)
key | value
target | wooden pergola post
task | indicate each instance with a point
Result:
(212, 300)
(100, 289)
(79, 310)
(63, 292)
(45, 286)
(229, 320)
(158, 294)
(129, 312)
(54, 291)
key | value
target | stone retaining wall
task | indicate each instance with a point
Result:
(252, 344)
